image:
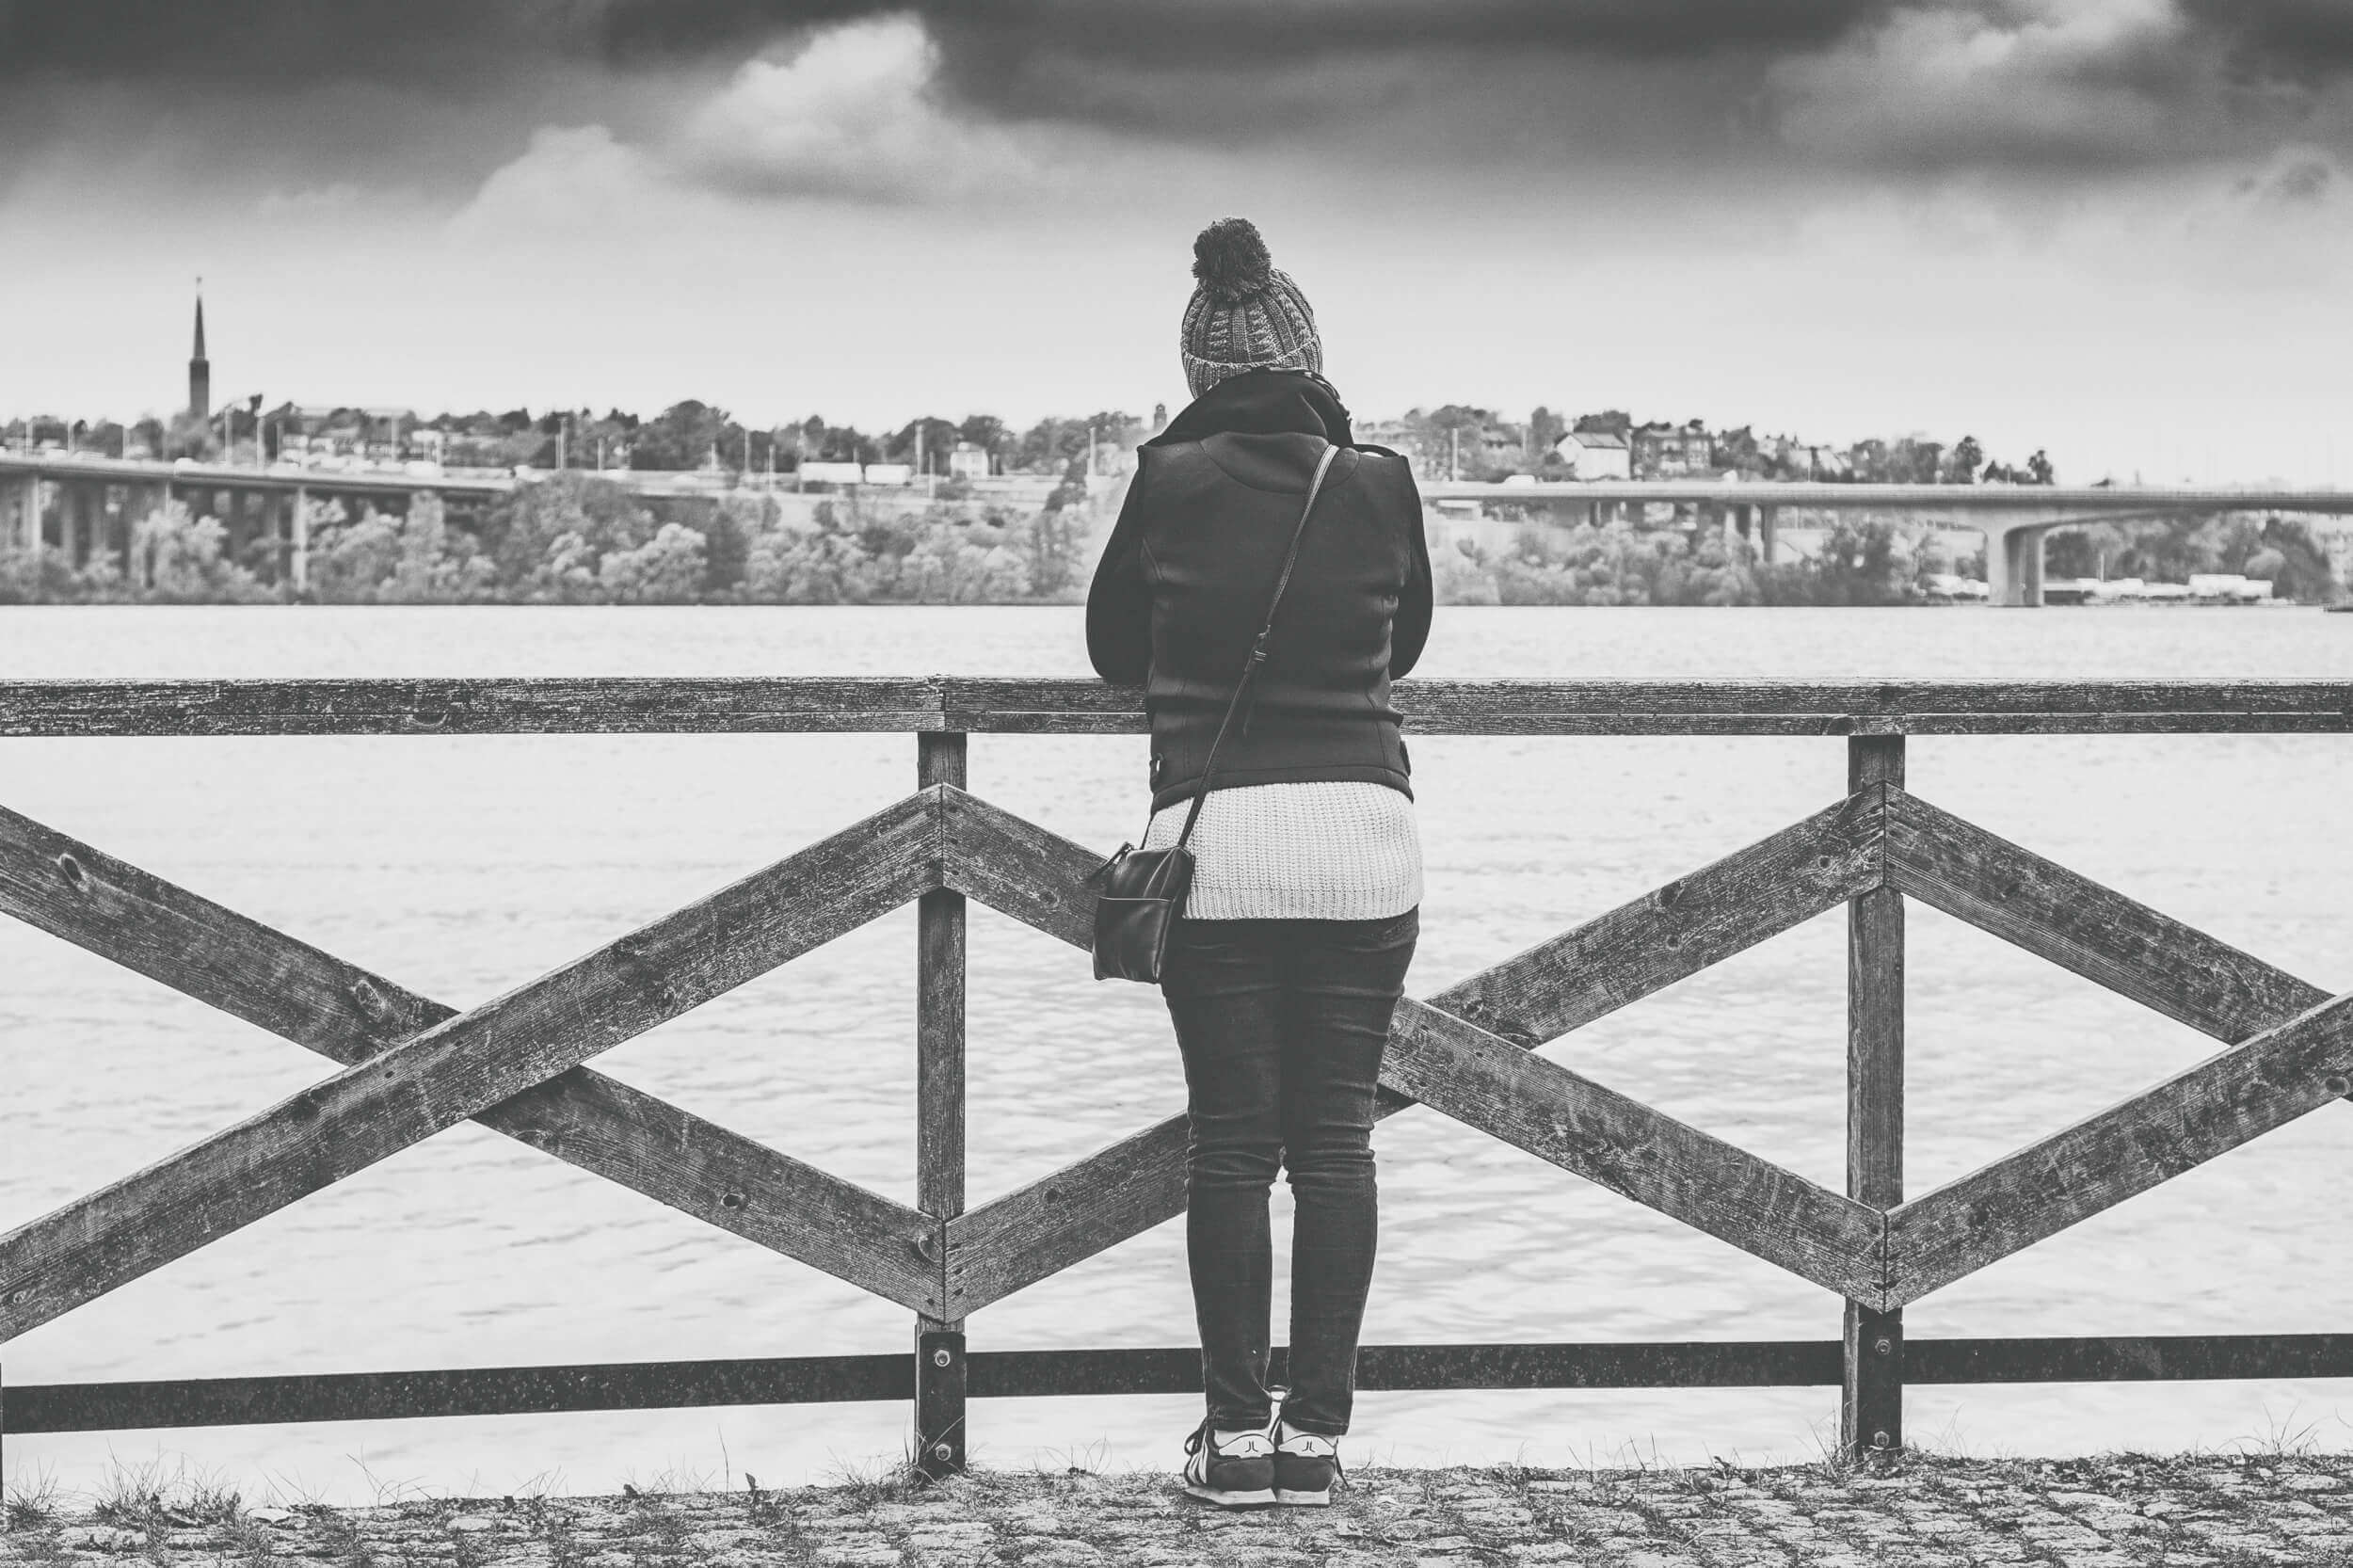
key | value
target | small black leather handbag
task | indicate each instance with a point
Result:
(1143, 889)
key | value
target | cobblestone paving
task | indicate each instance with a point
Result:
(1918, 1513)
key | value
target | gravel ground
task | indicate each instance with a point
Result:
(1918, 1511)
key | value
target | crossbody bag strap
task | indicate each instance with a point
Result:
(1257, 647)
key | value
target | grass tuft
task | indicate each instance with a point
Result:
(30, 1499)
(147, 1496)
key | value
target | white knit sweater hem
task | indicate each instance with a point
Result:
(1323, 851)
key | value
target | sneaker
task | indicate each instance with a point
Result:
(1306, 1464)
(1237, 1473)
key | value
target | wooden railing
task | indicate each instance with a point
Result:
(411, 1067)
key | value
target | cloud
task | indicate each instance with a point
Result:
(571, 179)
(2055, 84)
(854, 114)
(930, 100)
(2299, 39)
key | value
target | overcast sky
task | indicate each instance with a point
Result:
(2115, 227)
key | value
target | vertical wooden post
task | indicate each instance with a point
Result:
(1871, 1406)
(940, 1359)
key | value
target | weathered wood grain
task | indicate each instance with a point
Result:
(1558, 1115)
(728, 1181)
(1071, 706)
(1871, 1392)
(2236, 1095)
(406, 1091)
(1018, 868)
(1957, 866)
(1012, 1242)
(468, 705)
(1672, 932)
(317, 1000)
(942, 1365)
(1733, 707)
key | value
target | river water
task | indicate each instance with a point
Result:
(463, 866)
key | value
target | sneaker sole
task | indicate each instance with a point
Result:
(1303, 1499)
(1229, 1500)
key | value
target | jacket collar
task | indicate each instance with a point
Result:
(1262, 402)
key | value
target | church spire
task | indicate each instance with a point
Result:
(200, 368)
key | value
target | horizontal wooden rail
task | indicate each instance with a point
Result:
(1047, 705)
(1069, 1373)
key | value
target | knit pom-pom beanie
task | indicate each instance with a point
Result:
(1245, 312)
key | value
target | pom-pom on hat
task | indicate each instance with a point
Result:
(1245, 312)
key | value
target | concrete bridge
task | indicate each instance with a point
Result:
(2013, 517)
(87, 505)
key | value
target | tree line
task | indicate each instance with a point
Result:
(686, 435)
(575, 538)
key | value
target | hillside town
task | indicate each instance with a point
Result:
(695, 505)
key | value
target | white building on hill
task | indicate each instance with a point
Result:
(1596, 454)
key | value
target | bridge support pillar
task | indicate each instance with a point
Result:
(2013, 567)
(20, 523)
(1871, 1403)
(73, 522)
(1768, 532)
(298, 530)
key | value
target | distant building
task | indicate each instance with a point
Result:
(967, 460)
(2229, 587)
(1672, 450)
(1808, 460)
(1595, 455)
(318, 433)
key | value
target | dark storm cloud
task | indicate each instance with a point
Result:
(454, 86)
(1202, 32)
(436, 93)
(457, 41)
(2298, 39)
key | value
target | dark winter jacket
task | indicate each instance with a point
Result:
(1185, 578)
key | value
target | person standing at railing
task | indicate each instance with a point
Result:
(1283, 973)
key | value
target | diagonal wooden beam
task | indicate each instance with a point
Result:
(2236, 1095)
(1485, 1082)
(1038, 877)
(405, 1091)
(303, 993)
(1672, 932)
(1018, 868)
(1013, 1242)
(2055, 914)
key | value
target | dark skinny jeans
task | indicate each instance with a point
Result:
(1282, 1025)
